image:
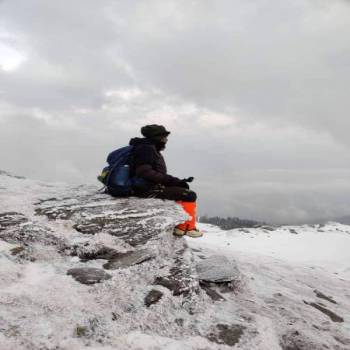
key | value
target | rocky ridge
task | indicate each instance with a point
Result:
(80, 269)
(83, 269)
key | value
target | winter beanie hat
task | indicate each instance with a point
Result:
(154, 131)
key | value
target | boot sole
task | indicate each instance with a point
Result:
(179, 233)
(194, 236)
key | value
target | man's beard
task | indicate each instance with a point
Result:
(160, 145)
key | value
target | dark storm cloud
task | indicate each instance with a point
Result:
(255, 93)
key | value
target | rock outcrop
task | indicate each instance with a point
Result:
(84, 269)
(80, 269)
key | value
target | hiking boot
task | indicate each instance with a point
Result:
(178, 232)
(194, 233)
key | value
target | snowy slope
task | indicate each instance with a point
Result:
(269, 288)
(298, 281)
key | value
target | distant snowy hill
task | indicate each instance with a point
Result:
(82, 270)
(344, 220)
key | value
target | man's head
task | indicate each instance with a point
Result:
(157, 133)
(154, 131)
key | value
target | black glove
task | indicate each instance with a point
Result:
(189, 179)
(183, 183)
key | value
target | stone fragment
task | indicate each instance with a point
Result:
(226, 334)
(296, 340)
(88, 275)
(180, 322)
(325, 297)
(81, 331)
(17, 250)
(170, 283)
(217, 269)
(123, 260)
(153, 297)
(213, 294)
(333, 316)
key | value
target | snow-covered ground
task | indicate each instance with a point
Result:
(286, 269)
(293, 290)
(321, 247)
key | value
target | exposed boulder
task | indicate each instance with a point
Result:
(217, 269)
(88, 275)
(153, 297)
(123, 260)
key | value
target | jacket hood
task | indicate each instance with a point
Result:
(137, 141)
(140, 141)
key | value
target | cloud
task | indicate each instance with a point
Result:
(280, 62)
(255, 94)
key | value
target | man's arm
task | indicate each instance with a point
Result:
(144, 157)
(148, 173)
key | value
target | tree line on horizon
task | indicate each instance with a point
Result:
(229, 222)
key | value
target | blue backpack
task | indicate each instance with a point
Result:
(116, 176)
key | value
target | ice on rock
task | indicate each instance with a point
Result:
(217, 268)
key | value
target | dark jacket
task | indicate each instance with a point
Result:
(148, 163)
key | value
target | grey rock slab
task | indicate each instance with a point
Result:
(123, 260)
(153, 297)
(227, 334)
(133, 220)
(217, 269)
(88, 275)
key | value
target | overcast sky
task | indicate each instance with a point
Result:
(255, 93)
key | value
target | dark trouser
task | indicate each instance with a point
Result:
(174, 193)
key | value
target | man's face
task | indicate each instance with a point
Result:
(164, 139)
(162, 143)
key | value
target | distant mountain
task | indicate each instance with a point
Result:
(230, 223)
(343, 220)
(2, 172)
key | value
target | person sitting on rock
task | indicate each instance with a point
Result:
(148, 164)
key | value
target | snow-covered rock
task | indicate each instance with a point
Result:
(296, 282)
(217, 268)
(79, 269)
